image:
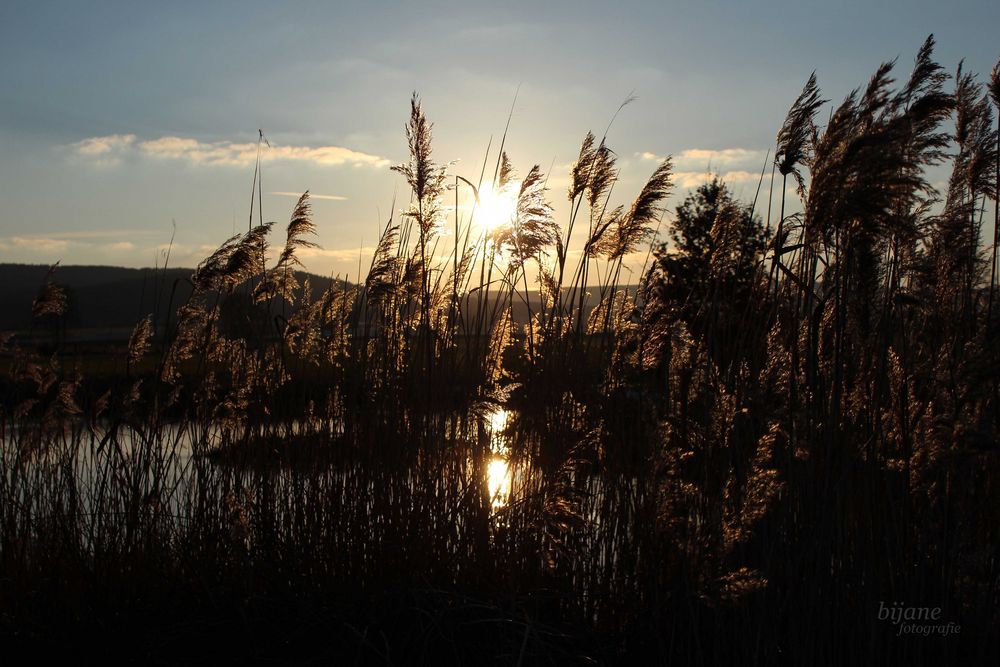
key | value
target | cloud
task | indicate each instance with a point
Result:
(230, 154)
(312, 195)
(92, 234)
(105, 150)
(343, 255)
(111, 148)
(718, 159)
(695, 159)
(695, 166)
(38, 243)
(104, 145)
(692, 179)
(93, 244)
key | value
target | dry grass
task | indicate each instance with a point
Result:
(305, 475)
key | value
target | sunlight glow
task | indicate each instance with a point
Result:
(498, 422)
(498, 473)
(496, 208)
(498, 482)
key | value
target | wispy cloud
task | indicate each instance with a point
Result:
(695, 159)
(719, 159)
(94, 243)
(105, 150)
(37, 243)
(228, 153)
(104, 145)
(312, 195)
(695, 166)
(692, 179)
(92, 234)
(112, 148)
(342, 255)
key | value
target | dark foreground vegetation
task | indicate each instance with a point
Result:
(789, 428)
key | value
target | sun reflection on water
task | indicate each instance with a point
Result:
(498, 482)
(498, 474)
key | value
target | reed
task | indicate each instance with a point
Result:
(736, 460)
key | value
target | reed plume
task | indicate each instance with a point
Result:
(797, 131)
(51, 299)
(280, 280)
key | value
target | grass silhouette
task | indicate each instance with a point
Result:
(743, 459)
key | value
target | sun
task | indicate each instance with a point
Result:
(496, 207)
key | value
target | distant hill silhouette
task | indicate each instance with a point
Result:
(107, 301)
(102, 297)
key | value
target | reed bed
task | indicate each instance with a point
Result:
(786, 425)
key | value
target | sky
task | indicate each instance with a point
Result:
(124, 125)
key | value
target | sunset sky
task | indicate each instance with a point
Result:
(118, 119)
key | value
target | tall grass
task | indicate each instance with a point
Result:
(740, 472)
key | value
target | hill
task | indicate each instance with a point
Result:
(107, 299)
